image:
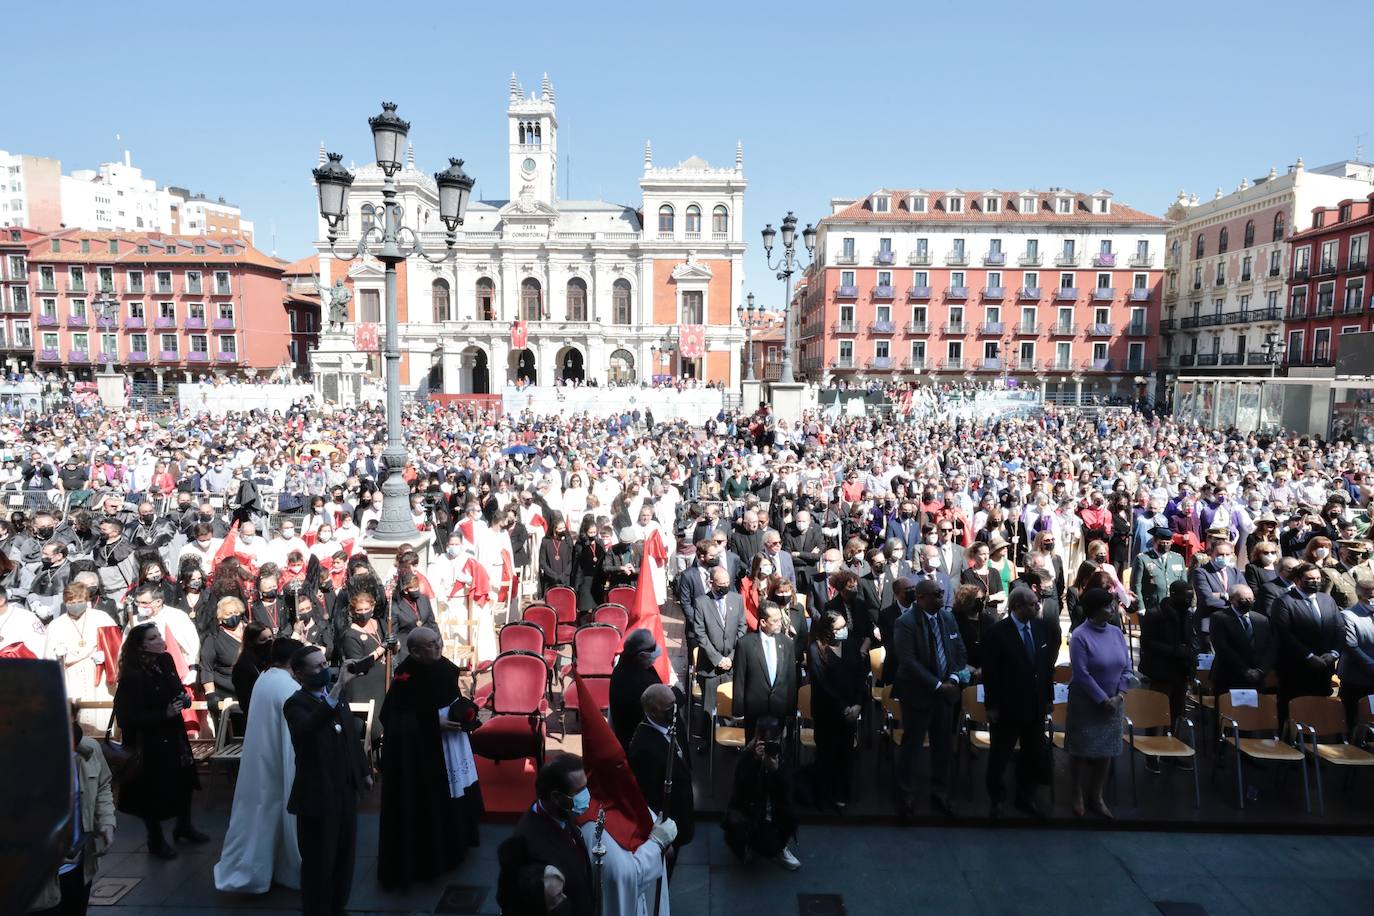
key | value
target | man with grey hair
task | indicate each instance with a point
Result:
(1019, 652)
(1243, 644)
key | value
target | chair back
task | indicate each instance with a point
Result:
(972, 708)
(725, 699)
(1059, 714)
(563, 600)
(547, 620)
(891, 705)
(616, 615)
(876, 657)
(804, 701)
(1147, 708)
(594, 649)
(1323, 715)
(522, 636)
(1365, 714)
(623, 595)
(517, 683)
(1262, 718)
(1062, 674)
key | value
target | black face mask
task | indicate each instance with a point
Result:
(269, 594)
(230, 622)
(146, 519)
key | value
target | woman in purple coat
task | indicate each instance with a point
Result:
(1101, 666)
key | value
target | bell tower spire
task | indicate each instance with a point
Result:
(533, 141)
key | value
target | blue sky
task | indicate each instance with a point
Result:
(829, 99)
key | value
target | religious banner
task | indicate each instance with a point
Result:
(519, 335)
(365, 337)
(691, 340)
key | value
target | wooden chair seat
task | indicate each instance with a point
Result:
(1059, 740)
(1162, 746)
(1267, 749)
(981, 740)
(807, 736)
(1345, 755)
(729, 736)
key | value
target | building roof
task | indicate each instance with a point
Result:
(1335, 227)
(1045, 212)
(183, 249)
(304, 267)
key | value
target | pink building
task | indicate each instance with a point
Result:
(1054, 288)
(16, 331)
(156, 305)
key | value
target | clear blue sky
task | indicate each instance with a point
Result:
(830, 99)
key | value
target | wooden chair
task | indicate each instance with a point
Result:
(975, 729)
(1235, 720)
(723, 735)
(805, 732)
(1364, 722)
(890, 727)
(1149, 709)
(876, 658)
(1315, 718)
(365, 711)
(228, 742)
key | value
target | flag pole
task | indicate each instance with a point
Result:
(598, 853)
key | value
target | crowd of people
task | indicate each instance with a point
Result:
(177, 568)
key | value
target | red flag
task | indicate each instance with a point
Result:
(645, 616)
(507, 576)
(468, 529)
(17, 650)
(691, 340)
(609, 779)
(480, 586)
(109, 640)
(226, 548)
(519, 335)
(189, 717)
(538, 521)
(654, 547)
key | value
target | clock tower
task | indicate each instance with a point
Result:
(533, 128)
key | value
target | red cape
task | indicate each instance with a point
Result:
(612, 784)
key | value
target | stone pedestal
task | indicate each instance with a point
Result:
(338, 369)
(111, 390)
(751, 395)
(383, 553)
(788, 400)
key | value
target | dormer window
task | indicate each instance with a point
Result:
(1027, 204)
(1344, 213)
(881, 203)
(1063, 205)
(918, 203)
(954, 204)
(992, 205)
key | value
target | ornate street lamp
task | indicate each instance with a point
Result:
(391, 242)
(786, 266)
(1273, 352)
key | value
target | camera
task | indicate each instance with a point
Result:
(360, 666)
(772, 748)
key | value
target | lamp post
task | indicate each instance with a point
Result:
(1006, 359)
(107, 310)
(750, 318)
(1273, 352)
(663, 356)
(387, 242)
(786, 266)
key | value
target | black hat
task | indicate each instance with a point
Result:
(1159, 531)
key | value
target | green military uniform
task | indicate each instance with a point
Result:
(1151, 576)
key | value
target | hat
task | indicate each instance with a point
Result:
(1267, 519)
(637, 641)
(997, 542)
(546, 463)
(1219, 528)
(1354, 544)
(1161, 532)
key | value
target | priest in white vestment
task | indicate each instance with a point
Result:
(629, 880)
(260, 848)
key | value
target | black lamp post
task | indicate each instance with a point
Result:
(750, 318)
(1273, 352)
(786, 266)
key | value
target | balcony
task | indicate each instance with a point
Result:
(47, 355)
(883, 292)
(918, 292)
(1030, 260)
(138, 356)
(994, 292)
(846, 292)
(1254, 358)
(919, 259)
(1208, 359)
(991, 329)
(918, 327)
(222, 289)
(1063, 329)
(194, 287)
(882, 327)
(106, 358)
(76, 286)
(1140, 294)
(1143, 260)
(772, 371)
(1027, 329)
(195, 324)
(1097, 365)
(1137, 329)
(885, 258)
(878, 362)
(1275, 272)
(1297, 310)
(79, 356)
(165, 289)
(1219, 280)
(1325, 269)
(951, 362)
(134, 288)
(198, 356)
(1299, 275)
(77, 321)
(1104, 294)
(47, 321)
(163, 322)
(953, 327)
(1097, 329)
(957, 258)
(223, 324)
(842, 362)
(1326, 304)
(1056, 364)
(168, 356)
(989, 364)
(1104, 259)
(134, 323)
(1066, 293)
(1187, 360)
(1167, 325)
(1233, 359)
(110, 323)
(1319, 360)
(1352, 305)
(914, 363)
(1029, 292)
(847, 260)
(1066, 259)
(995, 259)
(46, 286)
(1189, 322)
(845, 327)
(1137, 365)
(956, 292)
(1355, 266)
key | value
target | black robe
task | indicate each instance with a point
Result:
(424, 833)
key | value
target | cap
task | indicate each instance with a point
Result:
(1161, 532)
(641, 641)
(997, 542)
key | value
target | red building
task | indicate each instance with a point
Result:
(301, 299)
(16, 303)
(156, 305)
(1330, 284)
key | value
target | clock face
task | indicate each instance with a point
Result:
(527, 165)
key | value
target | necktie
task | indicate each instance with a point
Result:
(720, 607)
(1245, 622)
(939, 644)
(770, 658)
(1027, 640)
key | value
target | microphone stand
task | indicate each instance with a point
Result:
(598, 853)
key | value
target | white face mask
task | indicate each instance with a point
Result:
(1321, 553)
(803, 524)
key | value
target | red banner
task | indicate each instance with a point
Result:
(519, 335)
(365, 337)
(691, 340)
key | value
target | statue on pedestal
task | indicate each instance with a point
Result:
(334, 302)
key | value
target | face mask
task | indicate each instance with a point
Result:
(1163, 546)
(230, 622)
(802, 525)
(362, 616)
(75, 609)
(46, 563)
(412, 593)
(765, 571)
(1321, 553)
(842, 634)
(932, 539)
(325, 537)
(1310, 587)
(719, 592)
(1244, 606)
(269, 594)
(153, 576)
(288, 535)
(581, 802)
(194, 585)
(453, 550)
(1224, 562)
(712, 562)
(43, 532)
(319, 680)
(204, 545)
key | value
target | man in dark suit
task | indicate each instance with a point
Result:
(718, 623)
(1212, 582)
(902, 596)
(928, 568)
(906, 529)
(930, 657)
(1308, 627)
(633, 674)
(648, 759)
(545, 864)
(1242, 644)
(1275, 589)
(330, 769)
(803, 543)
(952, 562)
(782, 560)
(693, 582)
(765, 670)
(1019, 653)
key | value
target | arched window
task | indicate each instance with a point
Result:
(1175, 249)
(1223, 240)
(694, 219)
(665, 220)
(486, 300)
(439, 296)
(1249, 232)
(1201, 249)
(720, 219)
(577, 299)
(369, 216)
(1278, 227)
(620, 302)
(531, 300)
(622, 367)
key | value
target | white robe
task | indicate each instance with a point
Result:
(260, 846)
(628, 879)
(75, 643)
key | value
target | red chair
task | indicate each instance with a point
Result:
(563, 600)
(595, 648)
(516, 727)
(614, 614)
(547, 620)
(516, 636)
(623, 595)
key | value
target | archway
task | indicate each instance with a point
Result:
(571, 366)
(475, 377)
(621, 368)
(522, 367)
